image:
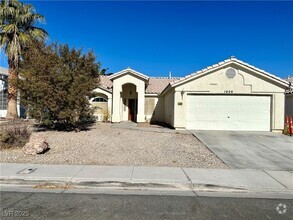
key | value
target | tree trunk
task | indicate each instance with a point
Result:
(12, 91)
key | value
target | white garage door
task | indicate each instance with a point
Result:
(228, 112)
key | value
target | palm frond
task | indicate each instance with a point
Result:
(9, 28)
(17, 27)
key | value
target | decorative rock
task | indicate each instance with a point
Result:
(36, 145)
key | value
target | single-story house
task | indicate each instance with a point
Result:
(289, 98)
(229, 95)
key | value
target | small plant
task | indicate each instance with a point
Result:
(14, 134)
(106, 115)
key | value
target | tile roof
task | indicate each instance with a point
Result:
(158, 84)
(155, 84)
(3, 70)
(106, 82)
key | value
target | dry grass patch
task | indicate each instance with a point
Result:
(14, 133)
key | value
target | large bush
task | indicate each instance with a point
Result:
(56, 83)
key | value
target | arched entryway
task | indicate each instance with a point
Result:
(129, 97)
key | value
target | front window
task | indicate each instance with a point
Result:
(99, 99)
(3, 99)
(3, 92)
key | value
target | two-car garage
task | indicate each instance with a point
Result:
(228, 112)
(230, 95)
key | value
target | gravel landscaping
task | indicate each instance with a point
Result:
(121, 144)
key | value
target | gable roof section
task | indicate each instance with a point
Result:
(158, 85)
(127, 71)
(231, 60)
(155, 84)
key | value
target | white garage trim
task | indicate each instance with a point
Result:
(228, 112)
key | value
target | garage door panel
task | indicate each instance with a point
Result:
(213, 117)
(220, 126)
(228, 112)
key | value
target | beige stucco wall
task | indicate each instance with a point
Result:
(158, 113)
(118, 109)
(150, 105)
(289, 105)
(169, 108)
(245, 82)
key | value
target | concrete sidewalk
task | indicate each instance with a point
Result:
(247, 182)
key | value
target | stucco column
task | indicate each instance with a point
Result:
(179, 109)
(140, 103)
(116, 102)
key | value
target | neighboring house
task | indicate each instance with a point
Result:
(230, 95)
(289, 98)
(4, 92)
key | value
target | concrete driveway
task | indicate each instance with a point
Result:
(250, 150)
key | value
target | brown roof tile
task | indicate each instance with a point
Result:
(106, 82)
(158, 84)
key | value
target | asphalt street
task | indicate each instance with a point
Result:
(20, 205)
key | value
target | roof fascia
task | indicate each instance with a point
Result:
(104, 88)
(225, 63)
(127, 71)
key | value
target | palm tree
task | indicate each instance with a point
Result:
(17, 31)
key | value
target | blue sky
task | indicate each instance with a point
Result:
(157, 37)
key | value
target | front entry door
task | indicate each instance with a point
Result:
(132, 109)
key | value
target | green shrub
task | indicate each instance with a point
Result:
(56, 83)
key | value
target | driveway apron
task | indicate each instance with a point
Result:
(250, 150)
